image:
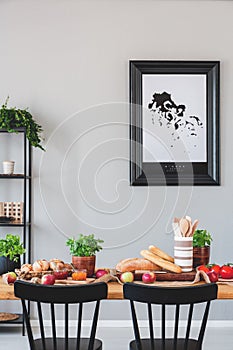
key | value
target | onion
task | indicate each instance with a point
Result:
(100, 273)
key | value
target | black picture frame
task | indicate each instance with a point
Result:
(144, 173)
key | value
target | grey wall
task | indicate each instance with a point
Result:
(68, 62)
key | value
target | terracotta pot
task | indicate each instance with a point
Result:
(84, 262)
(201, 255)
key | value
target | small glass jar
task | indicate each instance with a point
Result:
(61, 274)
(79, 275)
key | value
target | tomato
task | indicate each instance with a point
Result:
(214, 267)
(203, 268)
(212, 276)
(226, 271)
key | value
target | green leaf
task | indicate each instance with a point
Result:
(84, 245)
(11, 247)
(201, 238)
(12, 118)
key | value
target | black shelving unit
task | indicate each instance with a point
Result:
(25, 226)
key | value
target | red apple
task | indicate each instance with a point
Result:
(9, 277)
(148, 277)
(101, 272)
(48, 279)
(127, 277)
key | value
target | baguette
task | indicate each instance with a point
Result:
(157, 251)
(164, 264)
(132, 264)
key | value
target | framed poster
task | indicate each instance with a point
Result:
(174, 123)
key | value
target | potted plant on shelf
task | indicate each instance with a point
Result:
(201, 247)
(83, 251)
(10, 250)
(12, 118)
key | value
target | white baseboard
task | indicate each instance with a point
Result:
(141, 323)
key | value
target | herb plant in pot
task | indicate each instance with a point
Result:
(83, 250)
(10, 250)
(201, 247)
(13, 118)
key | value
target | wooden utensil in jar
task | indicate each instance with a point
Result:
(194, 226)
(184, 225)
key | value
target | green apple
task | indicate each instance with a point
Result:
(127, 277)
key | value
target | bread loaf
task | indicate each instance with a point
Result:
(159, 252)
(40, 265)
(68, 266)
(123, 262)
(56, 264)
(26, 268)
(164, 264)
(56, 260)
(45, 264)
(132, 264)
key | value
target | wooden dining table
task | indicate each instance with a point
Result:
(115, 290)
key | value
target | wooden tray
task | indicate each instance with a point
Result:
(168, 276)
(225, 279)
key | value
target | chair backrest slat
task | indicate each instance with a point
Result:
(163, 320)
(150, 318)
(176, 326)
(190, 315)
(135, 326)
(41, 323)
(203, 324)
(60, 295)
(176, 321)
(28, 325)
(79, 328)
(66, 323)
(53, 322)
(93, 327)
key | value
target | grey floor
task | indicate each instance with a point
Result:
(118, 338)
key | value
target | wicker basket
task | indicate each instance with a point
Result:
(12, 209)
(4, 316)
(22, 275)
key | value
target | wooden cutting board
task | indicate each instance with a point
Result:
(69, 281)
(169, 276)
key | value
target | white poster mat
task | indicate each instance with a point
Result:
(162, 141)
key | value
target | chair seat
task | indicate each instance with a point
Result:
(158, 344)
(61, 345)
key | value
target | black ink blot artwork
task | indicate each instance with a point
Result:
(171, 115)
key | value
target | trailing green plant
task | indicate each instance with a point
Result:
(84, 245)
(202, 238)
(12, 118)
(11, 247)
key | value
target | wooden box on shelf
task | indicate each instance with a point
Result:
(12, 209)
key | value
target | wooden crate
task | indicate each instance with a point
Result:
(13, 209)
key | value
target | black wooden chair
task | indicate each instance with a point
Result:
(66, 295)
(165, 296)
